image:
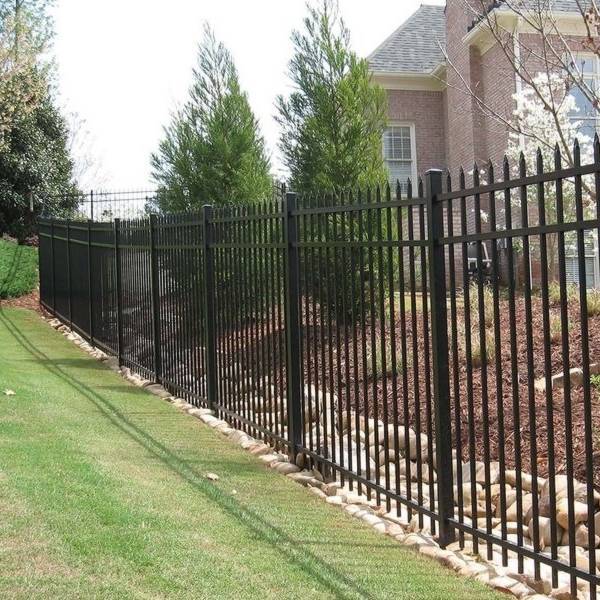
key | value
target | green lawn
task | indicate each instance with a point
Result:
(18, 269)
(103, 494)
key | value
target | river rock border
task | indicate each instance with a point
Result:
(408, 533)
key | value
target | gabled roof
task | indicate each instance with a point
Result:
(556, 5)
(415, 46)
(567, 6)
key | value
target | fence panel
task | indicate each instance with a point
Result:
(366, 336)
(61, 271)
(136, 305)
(522, 357)
(179, 252)
(78, 269)
(46, 258)
(248, 253)
(428, 350)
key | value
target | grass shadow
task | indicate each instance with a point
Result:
(11, 272)
(335, 581)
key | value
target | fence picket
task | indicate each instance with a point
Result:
(320, 325)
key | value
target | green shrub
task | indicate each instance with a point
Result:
(554, 293)
(555, 329)
(593, 303)
(488, 304)
(595, 380)
(18, 269)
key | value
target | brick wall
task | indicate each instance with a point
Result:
(460, 126)
(426, 110)
(498, 83)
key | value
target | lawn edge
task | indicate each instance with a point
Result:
(462, 561)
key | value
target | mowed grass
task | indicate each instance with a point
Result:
(18, 269)
(103, 494)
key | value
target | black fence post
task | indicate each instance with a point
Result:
(155, 302)
(116, 235)
(89, 267)
(439, 337)
(70, 287)
(209, 306)
(52, 264)
(292, 325)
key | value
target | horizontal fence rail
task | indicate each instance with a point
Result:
(438, 351)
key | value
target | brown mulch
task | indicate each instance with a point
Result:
(30, 301)
(486, 427)
(524, 415)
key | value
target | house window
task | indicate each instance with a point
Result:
(399, 154)
(587, 114)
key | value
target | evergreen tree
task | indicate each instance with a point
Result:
(35, 170)
(331, 140)
(333, 122)
(212, 152)
(35, 167)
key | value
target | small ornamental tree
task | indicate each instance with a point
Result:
(539, 133)
(332, 125)
(212, 151)
(35, 165)
(333, 121)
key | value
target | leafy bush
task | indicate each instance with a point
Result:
(488, 304)
(595, 380)
(593, 303)
(18, 269)
(554, 293)
(555, 329)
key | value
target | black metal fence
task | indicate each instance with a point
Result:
(412, 345)
(106, 206)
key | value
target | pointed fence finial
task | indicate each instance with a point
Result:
(539, 160)
(522, 164)
(557, 157)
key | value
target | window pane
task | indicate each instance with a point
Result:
(387, 144)
(584, 106)
(397, 143)
(586, 64)
(399, 171)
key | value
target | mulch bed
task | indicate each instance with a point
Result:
(30, 301)
(518, 426)
(332, 368)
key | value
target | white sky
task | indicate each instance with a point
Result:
(124, 65)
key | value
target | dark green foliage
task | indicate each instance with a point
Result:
(212, 152)
(18, 269)
(332, 124)
(331, 140)
(34, 167)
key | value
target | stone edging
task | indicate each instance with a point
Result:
(463, 561)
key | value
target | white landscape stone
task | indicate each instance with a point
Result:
(324, 405)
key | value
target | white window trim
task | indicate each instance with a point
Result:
(596, 76)
(413, 149)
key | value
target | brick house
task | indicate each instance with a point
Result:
(433, 122)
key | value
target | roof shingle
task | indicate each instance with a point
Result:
(415, 46)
